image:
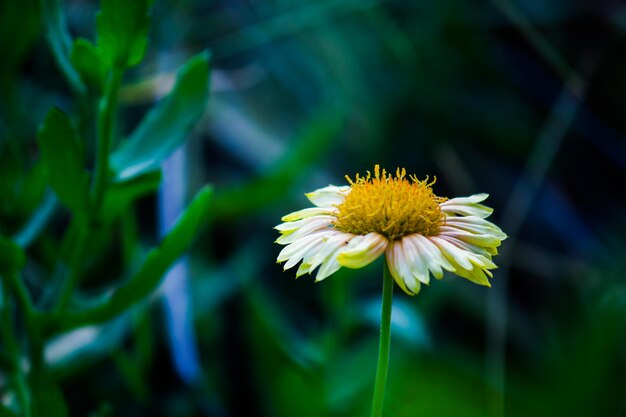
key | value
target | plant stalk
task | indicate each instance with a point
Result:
(383, 348)
(17, 376)
(107, 110)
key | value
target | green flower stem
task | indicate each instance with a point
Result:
(383, 348)
(106, 122)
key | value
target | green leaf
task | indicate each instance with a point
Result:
(123, 193)
(166, 127)
(60, 40)
(12, 257)
(123, 31)
(71, 353)
(149, 275)
(88, 61)
(62, 154)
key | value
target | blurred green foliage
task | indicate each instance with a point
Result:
(43, 311)
(522, 100)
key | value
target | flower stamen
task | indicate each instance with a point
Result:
(392, 206)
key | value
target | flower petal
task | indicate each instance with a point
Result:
(467, 264)
(480, 239)
(475, 225)
(477, 275)
(307, 212)
(363, 250)
(418, 262)
(328, 196)
(287, 227)
(456, 256)
(304, 268)
(485, 251)
(473, 252)
(435, 259)
(472, 199)
(308, 227)
(397, 261)
(332, 242)
(467, 206)
(299, 248)
(330, 265)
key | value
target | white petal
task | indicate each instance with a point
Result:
(328, 268)
(418, 263)
(328, 196)
(307, 212)
(472, 252)
(304, 268)
(477, 275)
(308, 227)
(331, 243)
(477, 210)
(287, 227)
(436, 261)
(476, 225)
(397, 261)
(294, 252)
(486, 240)
(467, 206)
(472, 199)
(454, 254)
(485, 251)
(330, 265)
(300, 247)
(467, 263)
(363, 250)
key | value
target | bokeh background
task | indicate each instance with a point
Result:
(523, 100)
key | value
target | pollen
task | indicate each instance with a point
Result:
(394, 206)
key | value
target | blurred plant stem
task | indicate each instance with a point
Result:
(60, 41)
(80, 226)
(37, 367)
(78, 243)
(13, 350)
(16, 286)
(37, 222)
(21, 294)
(383, 347)
(106, 124)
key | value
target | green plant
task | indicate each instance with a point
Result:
(95, 198)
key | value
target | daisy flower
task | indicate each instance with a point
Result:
(419, 232)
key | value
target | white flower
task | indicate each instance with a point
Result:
(419, 232)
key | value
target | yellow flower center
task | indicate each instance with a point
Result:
(392, 206)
